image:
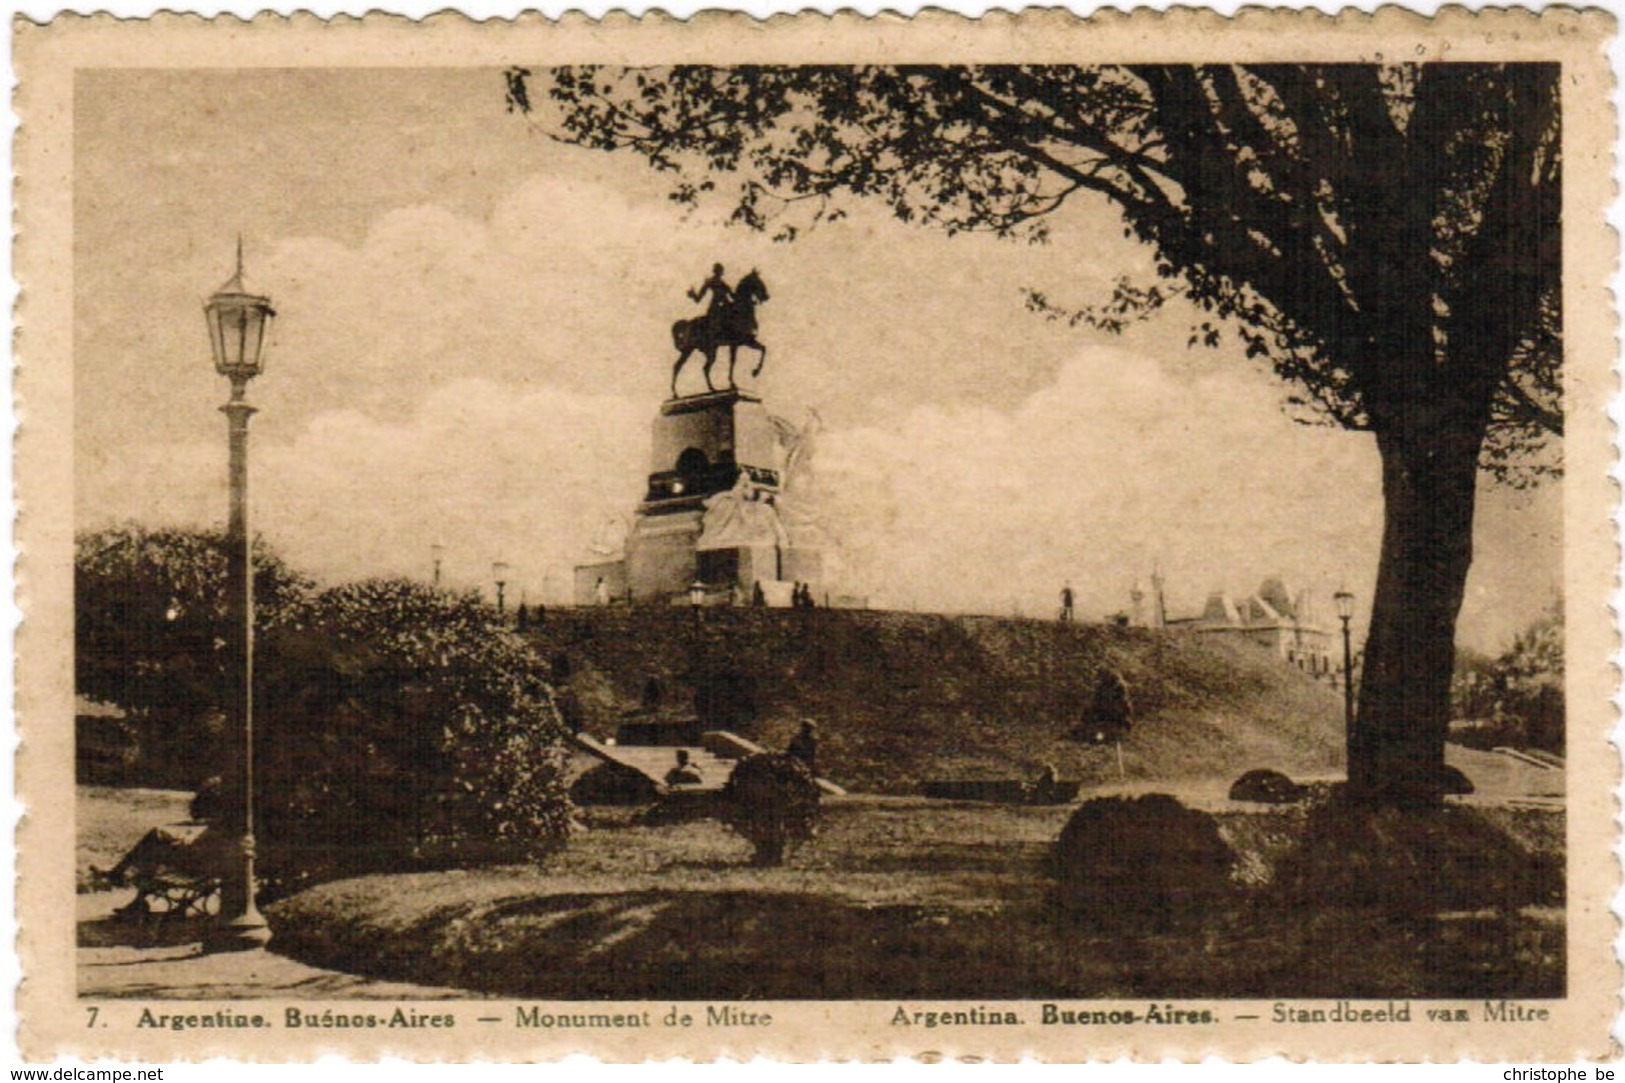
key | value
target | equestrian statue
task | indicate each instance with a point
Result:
(729, 320)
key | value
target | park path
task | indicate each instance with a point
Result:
(112, 962)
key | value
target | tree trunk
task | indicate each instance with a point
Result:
(1429, 478)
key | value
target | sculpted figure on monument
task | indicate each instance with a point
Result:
(740, 516)
(729, 320)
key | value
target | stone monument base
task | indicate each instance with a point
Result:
(707, 515)
(612, 572)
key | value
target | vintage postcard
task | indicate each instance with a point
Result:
(817, 538)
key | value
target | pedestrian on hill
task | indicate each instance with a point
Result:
(804, 746)
(684, 773)
(569, 707)
(1066, 602)
(1044, 787)
(1111, 711)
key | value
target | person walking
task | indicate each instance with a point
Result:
(804, 746)
(684, 772)
(1111, 710)
(1066, 602)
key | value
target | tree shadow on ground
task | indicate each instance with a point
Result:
(1346, 903)
(149, 931)
(1438, 902)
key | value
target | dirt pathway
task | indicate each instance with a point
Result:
(114, 962)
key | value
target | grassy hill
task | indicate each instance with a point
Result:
(905, 697)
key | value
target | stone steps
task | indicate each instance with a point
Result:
(653, 761)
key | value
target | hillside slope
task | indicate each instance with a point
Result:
(905, 697)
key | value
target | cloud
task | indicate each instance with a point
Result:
(490, 471)
(487, 381)
(1114, 468)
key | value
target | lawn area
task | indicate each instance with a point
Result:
(908, 897)
(905, 698)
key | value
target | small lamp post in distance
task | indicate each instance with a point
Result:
(696, 600)
(499, 575)
(1345, 611)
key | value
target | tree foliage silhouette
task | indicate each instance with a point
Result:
(1388, 237)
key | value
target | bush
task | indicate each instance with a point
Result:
(1414, 863)
(1516, 699)
(1454, 780)
(1267, 787)
(404, 726)
(515, 772)
(772, 800)
(613, 784)
(1486, 734)
(1140, 860)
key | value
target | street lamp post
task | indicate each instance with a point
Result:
(238, 321)
(438, 553)
(696, 658)
(1345, 610)
(499, 574)
(696, 600)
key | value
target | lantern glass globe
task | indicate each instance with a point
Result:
(239, 322)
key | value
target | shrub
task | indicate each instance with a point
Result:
(613, 784)
(208, 804)
(405, 725)
(772, 800)
(1454, 780)
(1516, 699)
(516, 772)
(1267, 787)
(1413, 863)
(1136, 860)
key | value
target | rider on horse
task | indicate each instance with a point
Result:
(730, 320)
(721, 296)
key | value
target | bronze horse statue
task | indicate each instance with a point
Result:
(733, 326)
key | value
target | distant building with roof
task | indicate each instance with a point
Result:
(1293, 625)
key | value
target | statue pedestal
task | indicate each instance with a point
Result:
(700, 443)
(702, 447)
(660, 558)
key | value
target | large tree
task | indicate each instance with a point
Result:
(1387, 236)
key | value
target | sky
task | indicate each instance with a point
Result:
(473, 338)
